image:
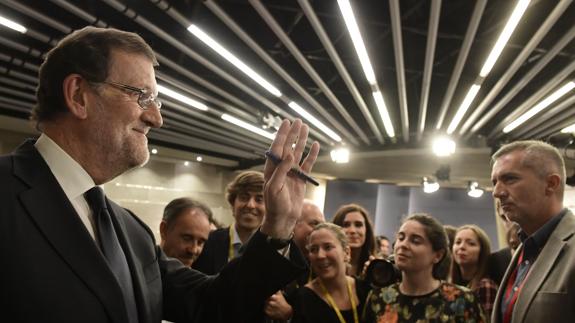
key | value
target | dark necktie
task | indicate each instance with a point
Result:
(111, 248)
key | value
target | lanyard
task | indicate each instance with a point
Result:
(509, 299)
(335, 308)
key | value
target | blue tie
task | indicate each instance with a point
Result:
(111, 248)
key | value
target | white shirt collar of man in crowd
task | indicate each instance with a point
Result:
(73, 179)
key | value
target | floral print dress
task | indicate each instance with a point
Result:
(448, 303)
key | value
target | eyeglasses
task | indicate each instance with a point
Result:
(145, 98)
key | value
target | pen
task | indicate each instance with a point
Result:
(294, 170)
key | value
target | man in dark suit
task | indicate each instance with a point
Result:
(539, 285)
(72, 255)
(245, 196)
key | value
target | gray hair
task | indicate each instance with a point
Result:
(540, 157)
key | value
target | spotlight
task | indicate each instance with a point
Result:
(340, 155)
(443, 146)
(199, 158)
(154, 151)
(473, 190)
(429, 186)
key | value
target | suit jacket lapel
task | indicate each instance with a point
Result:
(547, 258)
(495, 314)
(138, 278)
(50, 209)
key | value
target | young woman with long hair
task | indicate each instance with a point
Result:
(357, 226)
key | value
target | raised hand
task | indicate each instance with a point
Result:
(283, 192)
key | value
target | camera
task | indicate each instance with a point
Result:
(382, 272)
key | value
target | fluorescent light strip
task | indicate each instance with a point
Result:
(196, 31)
(12, 25)
(182, 98)
(357, 40)
(359, 45)
(569, 129)
(248, 126)
(384, 114)
(314, 121)
(540, 106)
(463, 107)
(504, 37)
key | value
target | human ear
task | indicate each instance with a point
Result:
(438, 256)
(553, 184)
(347, 251)
(163, 230)
(74, 90)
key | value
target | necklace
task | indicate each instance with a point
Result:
(335, 308)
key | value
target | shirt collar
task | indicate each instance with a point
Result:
(534, 243)
(236, 235)
(73, 179)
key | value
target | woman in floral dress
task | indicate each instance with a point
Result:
(421, 253)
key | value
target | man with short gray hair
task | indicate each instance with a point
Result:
(539, 285)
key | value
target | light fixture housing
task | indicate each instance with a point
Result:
(474, 190)
(248, 126)
(182, 98)
(314, 121)
(504, 36)
(213, 44)
(12, 25)
(540, 106)
(360, 50)
(340, 155)
(429, 185)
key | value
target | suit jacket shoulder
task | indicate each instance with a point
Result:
(497, 264)
(548, 294)
(215, 254)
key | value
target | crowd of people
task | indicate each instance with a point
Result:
(73, 255)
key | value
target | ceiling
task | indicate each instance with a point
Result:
(425, 54)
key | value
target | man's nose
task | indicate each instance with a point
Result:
(152, 117)
(194, 248)
(252, 202)
(498, 191)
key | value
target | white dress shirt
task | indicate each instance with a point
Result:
(73, 179)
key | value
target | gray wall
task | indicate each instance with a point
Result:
(388, 204)
(339, 192)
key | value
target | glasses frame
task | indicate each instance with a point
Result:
(141, 93)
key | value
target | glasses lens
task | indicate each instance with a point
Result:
(147, 100)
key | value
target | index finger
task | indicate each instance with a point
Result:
(276, 148)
